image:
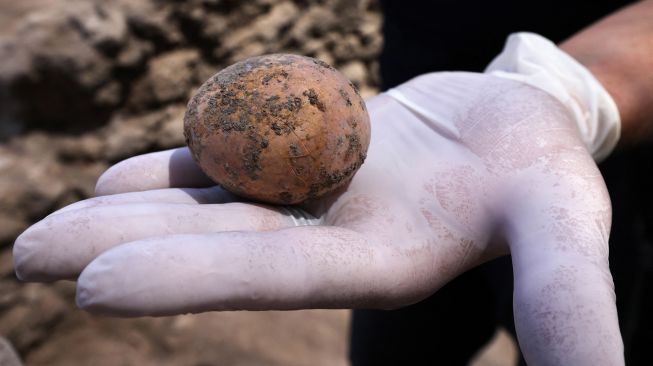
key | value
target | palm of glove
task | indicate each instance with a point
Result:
(456, 162)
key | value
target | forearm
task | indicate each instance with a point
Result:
(618, 50)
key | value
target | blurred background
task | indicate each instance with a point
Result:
(85, 84)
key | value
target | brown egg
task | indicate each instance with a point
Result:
(278, 128)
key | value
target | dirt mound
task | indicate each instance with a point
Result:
(85, 84)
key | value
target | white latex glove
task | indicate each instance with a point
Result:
(534, 60)
(457, 160)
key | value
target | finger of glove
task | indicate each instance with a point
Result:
(565, 312)
(214, 194)
(60, 246)
(564, 301)
(163, 169)
(302, 267)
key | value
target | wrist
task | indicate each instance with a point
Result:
(618, 50)
(626, 77)
(536, 61)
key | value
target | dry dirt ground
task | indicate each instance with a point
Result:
(85, 84)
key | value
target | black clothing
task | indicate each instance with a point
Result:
(457, 35)
(449, 327)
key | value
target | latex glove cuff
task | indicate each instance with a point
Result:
(534, 60)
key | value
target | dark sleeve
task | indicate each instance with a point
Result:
(423, 36)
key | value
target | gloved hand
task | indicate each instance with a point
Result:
(457, 162)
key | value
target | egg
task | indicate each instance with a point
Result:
(278, 128)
